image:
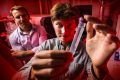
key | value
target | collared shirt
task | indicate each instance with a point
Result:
(22, 41)
(79, 69)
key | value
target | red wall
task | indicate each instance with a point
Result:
(34, 6)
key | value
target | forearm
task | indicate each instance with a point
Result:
(29, 52)
(22, 54)
(99, 72)
(25, 54)
(23, 73)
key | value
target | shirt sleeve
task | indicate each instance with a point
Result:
(92, 76)
(90, 73)
(24, 72)
(35, 49)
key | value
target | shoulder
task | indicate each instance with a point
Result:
(14, 34)
(53, 41)
(49, 44)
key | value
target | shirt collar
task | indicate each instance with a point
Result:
(23, 33)
(67, 45)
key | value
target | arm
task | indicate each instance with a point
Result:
(19, 49)
(24, 72)
(99, 72)
(45, 62)
(22, 54)
(45, 65)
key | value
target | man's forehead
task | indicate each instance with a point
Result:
(67, 21)
(18, 11)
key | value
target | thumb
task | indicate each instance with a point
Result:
(89, 30)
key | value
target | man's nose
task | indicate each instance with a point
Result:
(21, 18)
(63, 30)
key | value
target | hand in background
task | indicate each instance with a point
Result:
(100, 44)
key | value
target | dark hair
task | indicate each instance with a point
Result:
(18, 7)
(63, 11)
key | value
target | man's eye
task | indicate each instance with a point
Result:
(18, 17)
(60, 25)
